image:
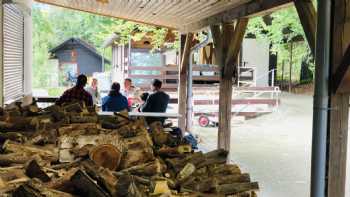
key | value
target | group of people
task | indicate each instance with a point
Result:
(118, 100)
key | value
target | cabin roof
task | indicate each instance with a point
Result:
(80, 42)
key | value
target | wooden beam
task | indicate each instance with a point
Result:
(227, 43)
(341, 78)
(236, 42)
(255, 7)
(339, 103)
(307, 15)
(186, 44)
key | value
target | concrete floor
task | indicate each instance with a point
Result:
(275, 148)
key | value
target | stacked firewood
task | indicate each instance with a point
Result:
(70, 150)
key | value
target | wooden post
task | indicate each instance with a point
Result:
(186, 44)
(339, 103)
(307, 15)
(227, 43)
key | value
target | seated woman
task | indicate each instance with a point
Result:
(115, 101)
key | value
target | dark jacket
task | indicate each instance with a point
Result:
(114, 103)
(156, 102)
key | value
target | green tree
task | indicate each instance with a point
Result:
(285, 28)
(53, 25)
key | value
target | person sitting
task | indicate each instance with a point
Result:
(143, 98)
(115, 101)
(94, 92)
(77, 93)
(156, 101)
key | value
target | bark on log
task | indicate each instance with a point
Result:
(104, 177)
(33, 170)
(13, 136)
(36, 189)
(86, 186)
(83, 119)
(64, 182)
(136, 157)
(147, 169)
(235, 188)
(47, 153)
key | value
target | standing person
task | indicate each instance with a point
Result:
(115, 101)
(93, 90)
(76, 93)
(156, 101)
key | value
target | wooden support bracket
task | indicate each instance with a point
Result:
(307, 15)
(341, 78)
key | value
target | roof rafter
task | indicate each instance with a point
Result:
(252, 8)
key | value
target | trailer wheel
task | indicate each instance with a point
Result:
(203, 121)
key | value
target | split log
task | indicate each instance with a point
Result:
(178, 163)
(56, 112)
(44, 137)
(33, 170)
(186, 172)
(69, 129)
(223, 169)
(86, 186)
(48, 153)
(136, 157)
(14, 158)
(13, 136)
(104, 177)
(140, 141)
(36, 189)
(236, 178)
(148, 169)
(83, 119)
(64, 182)
(235, 188)
(127, 187)
(30, 110)
(73, 107)
(178, 151)
(106, 155)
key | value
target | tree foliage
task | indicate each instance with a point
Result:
(285, 27)
(53, 25)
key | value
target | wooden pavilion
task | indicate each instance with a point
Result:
(227, 21)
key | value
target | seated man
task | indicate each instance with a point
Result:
(156, 101)
(115, 101)
(77, 93)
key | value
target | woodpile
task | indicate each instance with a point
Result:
(70, 150)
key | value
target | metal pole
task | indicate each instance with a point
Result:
(290, 67)
(190, 82)
(321, 101)
(103, 60)
(273, 78)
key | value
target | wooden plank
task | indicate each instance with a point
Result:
(254, 7)
(175, 68)
(339, 103)
(341, 78)
(307, 15)
(186, 44)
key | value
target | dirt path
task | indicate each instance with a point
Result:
(275, 148)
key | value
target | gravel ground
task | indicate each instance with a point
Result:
(275, 148)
